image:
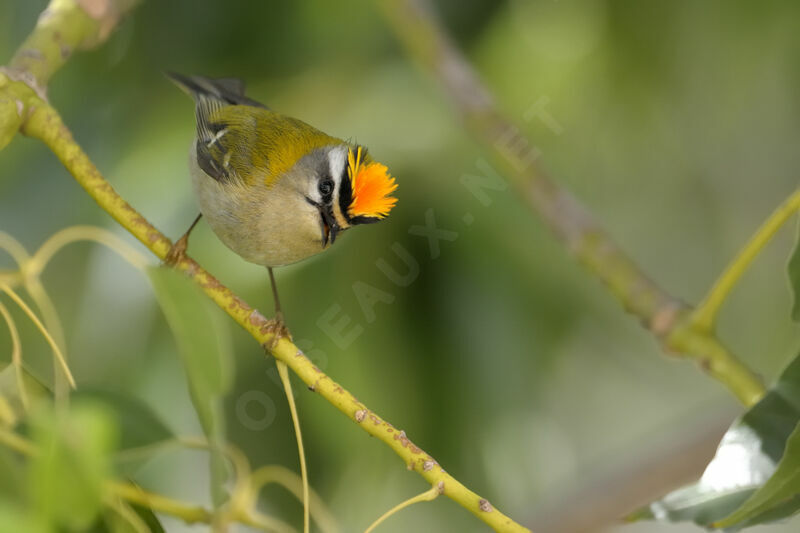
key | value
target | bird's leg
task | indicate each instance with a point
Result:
(178, 250)
(277, 326)
(275, 297)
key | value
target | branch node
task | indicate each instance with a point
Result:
(25, 77)
(665, 318)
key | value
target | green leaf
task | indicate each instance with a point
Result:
(794, 276)
(13, 518)
(148, 517)
(696, 503)
(12, 408)
(201, 335)
(138, 425)
(747, 471)
(782, 486)
(67, 477)
(112, 522)
(204, 347)
(12, 477)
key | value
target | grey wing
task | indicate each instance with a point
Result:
(211, 94)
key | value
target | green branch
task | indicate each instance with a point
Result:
(664, 315)
(283, 372)
(39, 120)
(705, 314)
(191, 514)
(45, 124)
(427, 496)
(63, 27)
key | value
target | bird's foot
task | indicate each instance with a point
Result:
(177, 252)
(277, 328)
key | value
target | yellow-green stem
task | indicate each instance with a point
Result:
(57, 353)
(36, 265)
(283, 371)
(16, 355)
(429, 495)
(45, 124)
(714, 359)
(705, 314)
(11, 440)
(125, 512)
(426, 40)
(191, 514)
(289, 480)
(63, 27)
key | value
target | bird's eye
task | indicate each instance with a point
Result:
(326, 188)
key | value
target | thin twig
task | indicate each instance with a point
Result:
(11, 440)
(283, 372)
(289, 480)
(59, 355)
(16, 355)
(426, 40)
(124, 511)
(191, 514)
(52, 321)
(45, 124)
(705, 314)
(73, 234)
(14, 248)
(26, 104)
(63, 27)
(427, 496)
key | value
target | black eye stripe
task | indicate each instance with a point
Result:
(345, 194)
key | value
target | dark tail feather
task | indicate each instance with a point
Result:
(225, 90)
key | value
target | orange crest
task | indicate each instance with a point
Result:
(371, 185)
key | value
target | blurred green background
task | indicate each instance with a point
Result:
(677, 126)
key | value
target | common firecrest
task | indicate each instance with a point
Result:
(274, 189)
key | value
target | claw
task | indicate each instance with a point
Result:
(276, 327)
(177, 252)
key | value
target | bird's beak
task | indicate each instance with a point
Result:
(328, 224)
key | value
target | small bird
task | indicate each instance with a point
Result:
(274, 189)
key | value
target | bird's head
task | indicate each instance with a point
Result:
(348, 189)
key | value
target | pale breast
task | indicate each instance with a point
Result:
(268, 226)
